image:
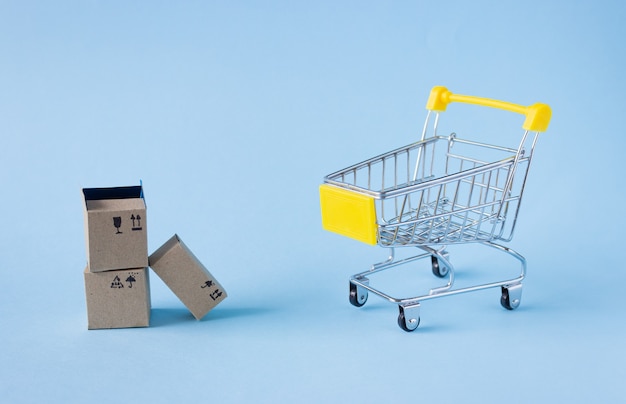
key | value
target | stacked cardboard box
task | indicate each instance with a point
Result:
(117, 279)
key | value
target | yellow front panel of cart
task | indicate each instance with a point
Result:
(348, 213)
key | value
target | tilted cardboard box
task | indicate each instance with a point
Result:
(115, 228)
(185, 275)
(118, 299)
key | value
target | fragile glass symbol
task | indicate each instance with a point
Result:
(117, 222)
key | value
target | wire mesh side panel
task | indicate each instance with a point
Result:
(442, 190)
(389, 172)
(468, 201)
(465, 209)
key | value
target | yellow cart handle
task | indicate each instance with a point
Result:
(537, 115)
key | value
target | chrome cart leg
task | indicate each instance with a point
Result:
(358, 294)
(409, 317)
(440, 270)
(511, 296)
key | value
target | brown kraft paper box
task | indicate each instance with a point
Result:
(185, 275)
(117, 299)
(115, 228)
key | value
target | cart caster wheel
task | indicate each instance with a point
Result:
(440, 271)
(511, 297)
(358, 295)
(408, 318)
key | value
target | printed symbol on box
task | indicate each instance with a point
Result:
(117, 222)
(117, 283)
(130, 280)
(136, 225)
(216, 294)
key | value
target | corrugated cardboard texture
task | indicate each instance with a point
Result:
(185, 275)
(118, 299)
(116, 232)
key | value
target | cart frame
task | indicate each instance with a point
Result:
(425, 196)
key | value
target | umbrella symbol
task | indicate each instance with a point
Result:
(130, 281)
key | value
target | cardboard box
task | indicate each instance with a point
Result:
(117, 299)
(185, 275)
(115, 228)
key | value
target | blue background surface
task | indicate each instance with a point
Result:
(231, 113)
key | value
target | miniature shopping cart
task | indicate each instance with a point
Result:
(439, 191)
